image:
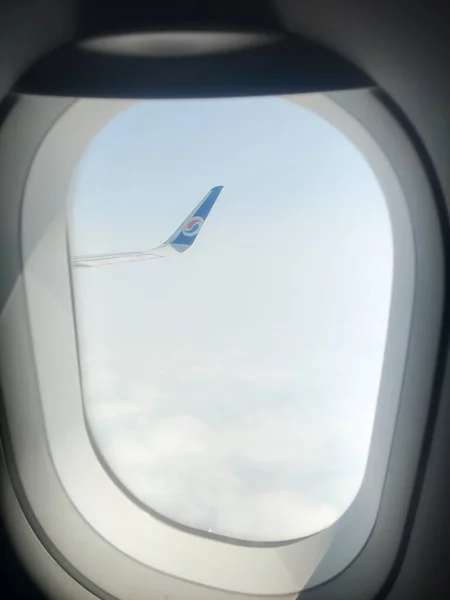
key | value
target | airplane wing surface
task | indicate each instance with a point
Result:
(180, 241)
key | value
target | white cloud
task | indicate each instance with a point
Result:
(277, 471)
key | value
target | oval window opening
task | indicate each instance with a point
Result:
(232, 263)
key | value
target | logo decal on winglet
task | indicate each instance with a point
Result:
(193, 227)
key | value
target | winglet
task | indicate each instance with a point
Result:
(187, 232)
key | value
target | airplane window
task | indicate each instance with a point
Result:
(232, 263)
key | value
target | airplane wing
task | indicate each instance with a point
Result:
(179, 241)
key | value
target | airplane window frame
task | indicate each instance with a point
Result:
(268, 579)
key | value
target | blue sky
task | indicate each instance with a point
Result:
(233, 387)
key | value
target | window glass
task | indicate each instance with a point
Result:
(231, 265)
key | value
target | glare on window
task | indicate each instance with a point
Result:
(231, 265)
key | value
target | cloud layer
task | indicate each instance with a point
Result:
(242, 460)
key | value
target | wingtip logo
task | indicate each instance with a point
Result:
(193, 227)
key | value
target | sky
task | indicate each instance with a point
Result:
(232, 388)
